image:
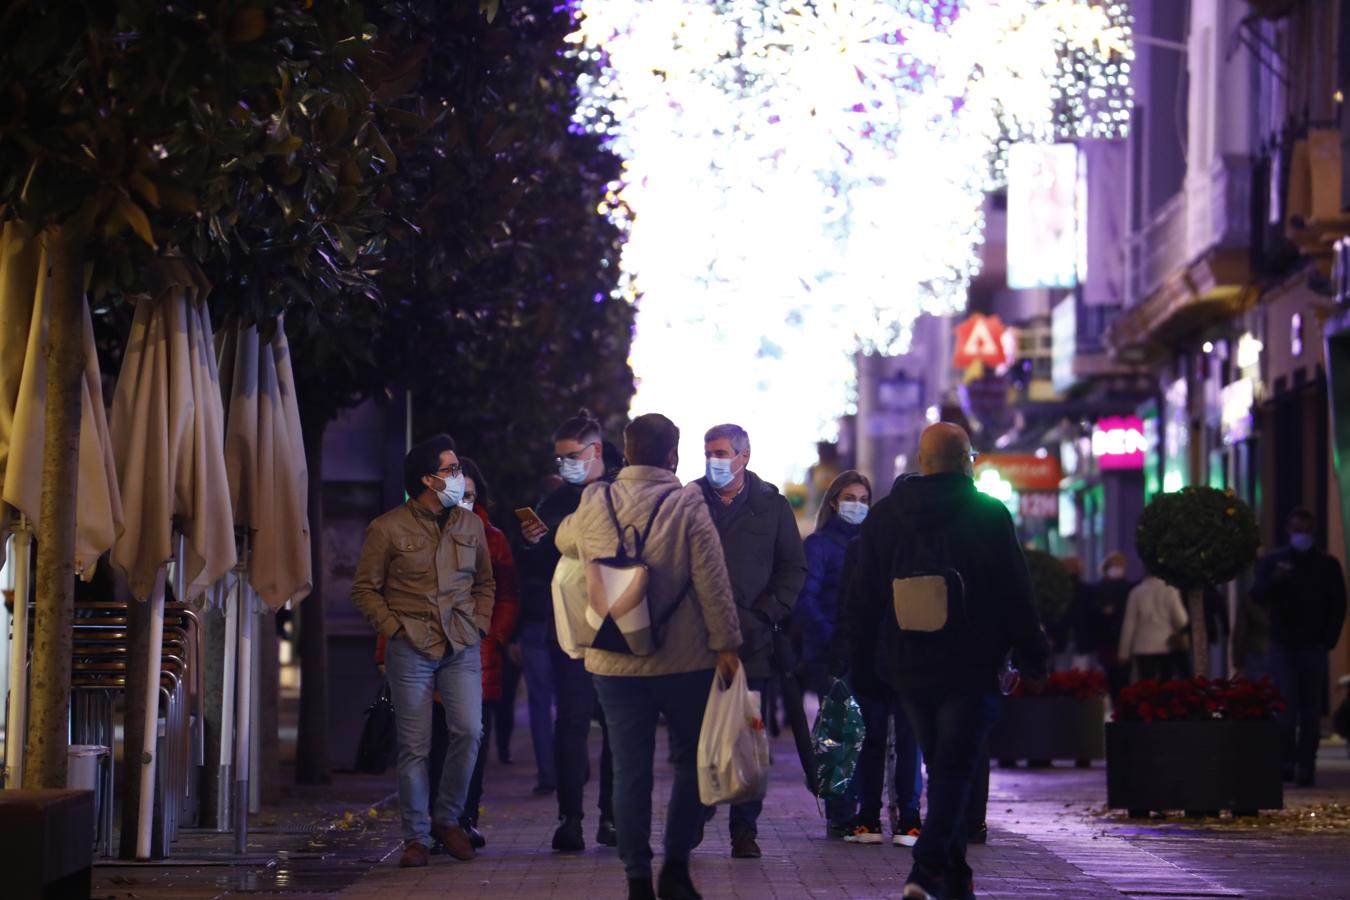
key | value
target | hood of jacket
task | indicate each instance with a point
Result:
(934, 500)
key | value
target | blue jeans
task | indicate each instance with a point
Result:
(536, 652)
(631, 706)
(1301, 675)
(743, 818)
(413, 678)
(870, 778)
(952, 725)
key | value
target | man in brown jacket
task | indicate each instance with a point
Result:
(425, 582)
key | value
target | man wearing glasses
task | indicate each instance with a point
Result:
(424, 581)
(562, 752)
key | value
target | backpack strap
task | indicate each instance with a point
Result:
(639, 537)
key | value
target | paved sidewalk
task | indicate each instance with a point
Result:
(1049, 838)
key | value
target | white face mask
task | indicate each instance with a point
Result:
(466, 505)
(1115, 572)
(450, 494)
(852, 511)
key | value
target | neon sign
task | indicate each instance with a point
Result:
(1118, 443)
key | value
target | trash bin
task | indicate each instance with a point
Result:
(83, 774)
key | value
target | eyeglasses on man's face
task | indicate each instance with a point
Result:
(449, 471)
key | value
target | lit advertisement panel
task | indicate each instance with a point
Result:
(1043, 216)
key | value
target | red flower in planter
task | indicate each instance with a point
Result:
(1078, 684)
(1198, 699)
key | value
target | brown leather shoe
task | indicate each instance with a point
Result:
(456, 842)
(414, 856)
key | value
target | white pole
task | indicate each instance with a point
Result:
(254, 704)
(243, 728)
(16, 724)
(225, 789)
(145, 818)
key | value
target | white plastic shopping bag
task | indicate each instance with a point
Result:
(733, 750)
(570, 605)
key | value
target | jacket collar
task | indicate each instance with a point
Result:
(647, 474)
(421, 512)
(758, 492)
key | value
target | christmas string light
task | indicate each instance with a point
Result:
(804, 178)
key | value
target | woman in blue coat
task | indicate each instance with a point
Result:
(841, 513)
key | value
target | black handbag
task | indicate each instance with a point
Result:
(379, 736)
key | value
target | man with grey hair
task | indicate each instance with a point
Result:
(767, 567)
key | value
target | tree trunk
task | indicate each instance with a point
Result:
(311, 750)
(49, 712)
(1195, 608)
(213, 626)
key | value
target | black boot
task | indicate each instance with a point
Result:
(675, 883)
(567, 838)
(605, 833)
(640, 889)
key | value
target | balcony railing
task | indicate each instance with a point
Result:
(1211, 212)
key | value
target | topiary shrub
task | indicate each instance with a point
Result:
(1196, 538)
(1051, 584)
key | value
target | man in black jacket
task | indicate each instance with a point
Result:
(946, 558)
(1304, 589)
(767, 567)
(581, 459)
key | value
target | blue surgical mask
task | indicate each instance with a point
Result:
(852, 511)
(1301, 541)
(453, 491)
(574, 471)
(720, 472)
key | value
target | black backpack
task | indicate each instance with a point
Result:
(928, 591)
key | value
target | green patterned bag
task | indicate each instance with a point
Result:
(836, 740)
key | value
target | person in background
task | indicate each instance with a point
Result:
(1109, 597)
(581, 458)
(505, 609)
(944, 667)
(1154, 617)
(688, 590)
(1304, 590)
(424, 581)
(767, 568)
(842, 510)
(477, 499)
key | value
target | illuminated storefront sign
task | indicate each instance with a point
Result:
(1024, 471)
(980, 339)
(1039, 505)
(1119, 444)
(1235, 403)
(1043, 216)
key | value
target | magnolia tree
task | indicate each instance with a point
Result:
(1193, 539)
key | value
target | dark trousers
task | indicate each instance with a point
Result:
(744, 817)
(504, 710)
(870, 778)
(475, 797)
(577, 705)
(1160, 666)
(1301, 675)
(631, 707)
(953, 726)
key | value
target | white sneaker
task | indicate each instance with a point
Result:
(864, 835)
(908, 839)
(915, 892)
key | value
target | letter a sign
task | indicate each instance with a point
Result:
(979, 339)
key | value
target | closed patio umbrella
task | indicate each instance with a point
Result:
(269, 485)
(24, 302)
(168, 435)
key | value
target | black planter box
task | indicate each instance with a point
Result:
(1046, 728)
(1199, 767)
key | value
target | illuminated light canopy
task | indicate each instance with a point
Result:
(804, 178)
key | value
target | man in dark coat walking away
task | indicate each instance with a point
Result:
(1304, 589)
(940, 595)
(767, 567)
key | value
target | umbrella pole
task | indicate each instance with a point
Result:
(18, 657)
(145, 818)
(225, 781)
(243, 697)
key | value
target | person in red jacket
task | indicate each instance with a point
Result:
(505, 611)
